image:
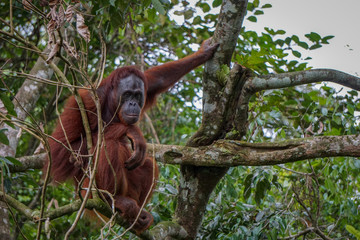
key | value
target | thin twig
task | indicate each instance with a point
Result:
(11, 19)
(302, 233)
(102, 61)
(43, 80)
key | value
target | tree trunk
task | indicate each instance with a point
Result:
(196, 185)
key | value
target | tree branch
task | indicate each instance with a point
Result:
(275, 81)
(34, 215)
(229, 153)
(302, 233)
(220, 93)
(165, 230)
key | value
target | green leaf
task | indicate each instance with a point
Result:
(14, 161)
(112, 3)
(197, 20)
(290, 102)
(230, 191)
(252, 19)
(280, 32)
(351, 108)
(303, 45)
(324, 40)
(329, 184)
(178, 13)
(250, 7)
(8, 104)
(247, 185)
(268, 5)
(117, 19)
(188, 14)
(301, 66)
(315, 46)
(296, 54)
(158, 6)
(280, 42)
(205, 7)
(295, 38)
(313, 36)
(255, 61)
(269, 30)
(260, 216)
(5, 160)
(151, 14)
(216, 3)
(353, 93)
(353, 231)
(288, 40)
(259, 12)
(171, 189)
(259, 192)
(3, 137)
(324, 111)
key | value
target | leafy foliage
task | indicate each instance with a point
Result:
(352, 230)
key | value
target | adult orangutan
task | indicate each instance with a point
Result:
(124, 95)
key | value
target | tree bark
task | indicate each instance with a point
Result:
(197, 183)
(232, 153)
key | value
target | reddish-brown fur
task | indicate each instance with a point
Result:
(128, 187)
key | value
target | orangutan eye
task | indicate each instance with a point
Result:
(126, 95)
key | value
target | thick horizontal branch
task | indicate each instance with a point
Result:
(275, 81)
(29, 162)
(165, 230)
(228, 153)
